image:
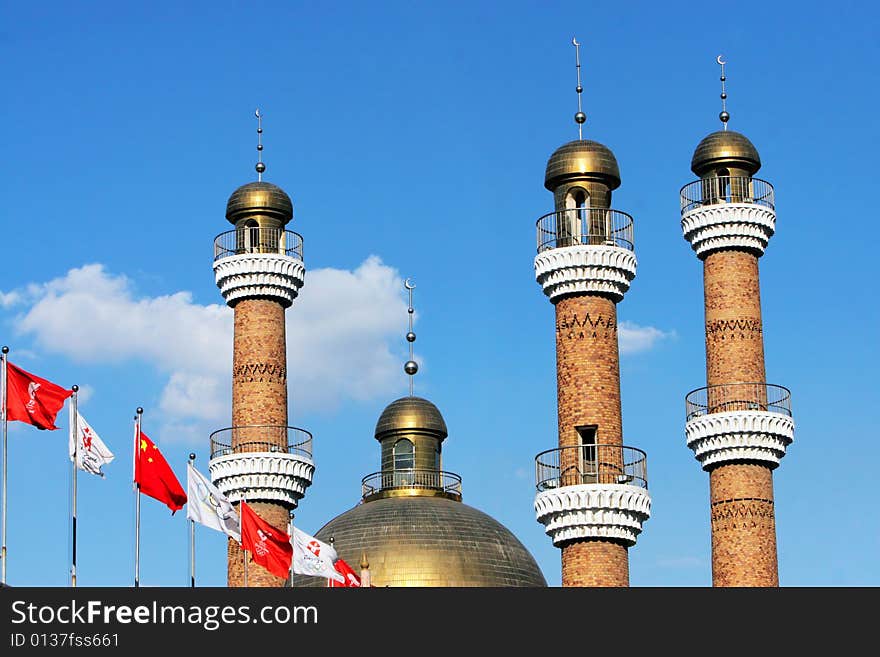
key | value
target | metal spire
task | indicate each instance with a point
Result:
(580, 118)
(411, 366)
(724, 116)
(260, 166)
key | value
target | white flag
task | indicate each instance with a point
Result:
(209, 507)
(313, 557)
(87, 449)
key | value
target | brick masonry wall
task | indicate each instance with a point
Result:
(743, 526)
(595, 563)
(588, 393)
(259, 364)
(742, 510)
(734, 337)
(259, 397)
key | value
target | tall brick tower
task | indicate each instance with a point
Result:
(259, 269)
(592, 490)
(738, 426)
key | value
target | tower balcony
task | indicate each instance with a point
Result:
(739, 422)
(409, 482)
(592, 492)
(270, 463)
(259, 262)
(585, 251)
(728, 212)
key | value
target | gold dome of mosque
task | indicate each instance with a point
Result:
(428, 541)
(411, 525)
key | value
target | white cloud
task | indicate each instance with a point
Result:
(635, 338)
(343, 321)
(8, 299)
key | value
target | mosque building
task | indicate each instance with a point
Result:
(411, 527)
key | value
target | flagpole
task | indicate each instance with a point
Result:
(137, 521)
(292, 539)
(192, 535)
(75, 430)
(243, 551)
(3, 381)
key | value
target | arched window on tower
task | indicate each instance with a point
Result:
(724, 185)
(575, 219)
(251, 235)
(404, 460)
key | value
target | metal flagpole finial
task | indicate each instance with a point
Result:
(192, 457)
(260, 166)
(580, 118)
(5, 349)
(724, 116)
(411, 366)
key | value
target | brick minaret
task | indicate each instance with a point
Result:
(259, 269)
(738, 426)
(592, 490)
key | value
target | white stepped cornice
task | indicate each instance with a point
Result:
(745, 226)
(598, 511)
(259, 276)
(718, 438)
(262, 476)
(585, 269)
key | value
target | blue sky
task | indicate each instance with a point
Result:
(412, 139)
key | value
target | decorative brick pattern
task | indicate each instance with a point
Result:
(259, 372)
(588, 393)
(734, 340)
(743, 526)
(259, 346)
(259, 397)
(587, 369)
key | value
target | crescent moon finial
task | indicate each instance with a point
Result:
(725, 115)
(574, 41)
(408, 284)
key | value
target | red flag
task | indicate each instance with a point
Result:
(269, 546)
(155, 477)
(351, 578)
(32, 399)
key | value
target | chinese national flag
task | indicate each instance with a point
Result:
(351, 578)
(155, 477)
(32, 399)
(269, 546)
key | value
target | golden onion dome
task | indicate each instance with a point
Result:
(727, 149)
(259, 198)
(582, 159)
(428, 541)
(408, 414)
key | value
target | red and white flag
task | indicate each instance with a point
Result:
(269, 546)
(32, 399)
(314, 557)
(87, 449)
(351, 578)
